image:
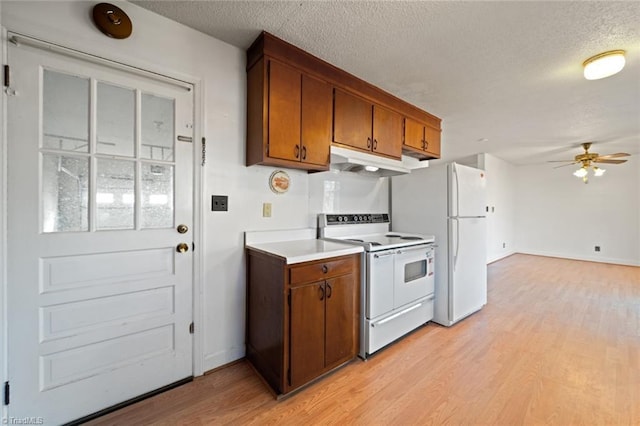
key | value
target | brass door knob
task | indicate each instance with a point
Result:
(182, 248)
(182, 229)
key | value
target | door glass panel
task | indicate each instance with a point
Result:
(65, 185)
(415, 270)
(115, 194)
(157, 195)
(116, 120)
(157, 128)
(65, 112)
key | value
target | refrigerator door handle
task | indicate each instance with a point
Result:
(457, 239)
(455, 176)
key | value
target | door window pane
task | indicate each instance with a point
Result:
(115, 194)
(116, 120)
(65, 185)
(157, 196)
(157, 128)
(65, 112)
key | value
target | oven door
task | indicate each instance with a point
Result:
(413, 270)
(380, 276)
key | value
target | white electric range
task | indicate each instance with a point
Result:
(398, 285)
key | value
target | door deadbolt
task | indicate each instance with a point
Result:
(182, 248)
(182, 229)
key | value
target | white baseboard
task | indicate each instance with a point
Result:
(221, 358)
(500, 256)
(599, 259)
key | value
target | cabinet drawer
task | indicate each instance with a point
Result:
(320, 270)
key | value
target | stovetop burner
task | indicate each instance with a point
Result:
(410, 237)
(392, 235)
(353, 239)
(374, 243)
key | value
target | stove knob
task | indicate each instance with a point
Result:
(339, 218)
(355, 218)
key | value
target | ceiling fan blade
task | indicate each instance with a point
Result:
(565, 165)
(618, 154)
(600, 160)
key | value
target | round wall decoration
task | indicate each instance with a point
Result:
(112, 20)
(279, 181)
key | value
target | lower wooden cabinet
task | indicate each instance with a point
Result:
(302, 320)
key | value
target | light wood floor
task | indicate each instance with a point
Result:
(558, 343)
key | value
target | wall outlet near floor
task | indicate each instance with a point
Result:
(219, 203)
(504, 245)
(266, 209)
(597, 248)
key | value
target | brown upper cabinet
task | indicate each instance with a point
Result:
(290, 124)
(421, 140)
(292, 116)
(361, 124)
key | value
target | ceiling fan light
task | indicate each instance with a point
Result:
(597, 171)
(581, 172)
(604, 65)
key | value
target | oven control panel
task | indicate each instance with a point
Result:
(349, 219)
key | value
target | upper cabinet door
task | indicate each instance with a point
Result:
(413, 134)
(387, 132)
(352, 121)
(432, 141)
(284, 112)
(317, 99)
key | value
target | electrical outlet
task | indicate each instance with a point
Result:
(597, 248)
(504, 245)
(266, 209)
(219, 203)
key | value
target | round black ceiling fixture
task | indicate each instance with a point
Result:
(112, 20)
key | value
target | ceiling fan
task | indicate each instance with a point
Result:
(591, 157)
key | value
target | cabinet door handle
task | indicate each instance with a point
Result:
(368, 142)
(297, 151)
(329, 291)
(375, 144)
(304, 152)
(423, 142)
(426, 145)
(321, 291)
(325, 269)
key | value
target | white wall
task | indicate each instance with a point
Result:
(346, 192)
(558, 215)
(501, 193)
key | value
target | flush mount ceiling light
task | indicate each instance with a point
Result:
(604, 64)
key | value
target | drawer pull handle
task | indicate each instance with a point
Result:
(392, 317)
(325, 269)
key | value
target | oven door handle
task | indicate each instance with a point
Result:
(394, 316)
(389, 253)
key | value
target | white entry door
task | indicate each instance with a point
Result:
(99, 298)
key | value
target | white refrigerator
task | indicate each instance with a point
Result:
(448, 201)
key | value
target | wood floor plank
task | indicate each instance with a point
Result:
(558, 343)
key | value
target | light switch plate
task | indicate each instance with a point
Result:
(219, 203)
(266, 209)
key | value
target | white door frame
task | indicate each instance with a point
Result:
(198, 202)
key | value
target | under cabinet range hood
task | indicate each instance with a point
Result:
(348, 160)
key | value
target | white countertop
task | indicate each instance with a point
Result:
(302, 250)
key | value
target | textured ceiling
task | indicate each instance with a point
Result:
(509, 72)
